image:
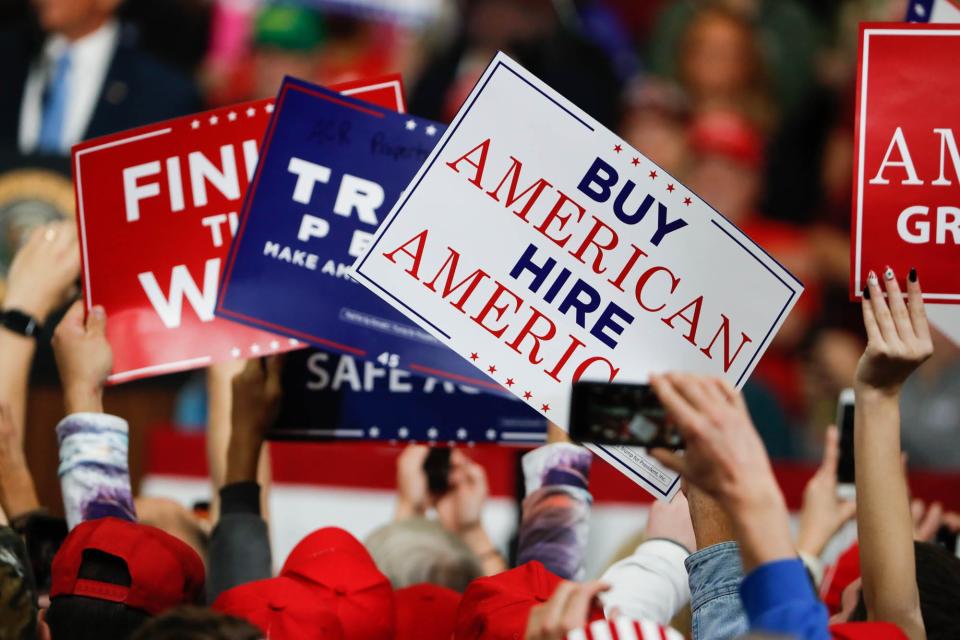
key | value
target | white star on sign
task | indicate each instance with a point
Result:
(411, 125)
(235, 352)
(374, 432)
(431, 130)
(274, 345)
(232, 116)
(431, 433)
(461, 433)
(214, 119)
(293, 342)
(269, 107)
(403, 432)
(195, 124)
(254, 348)
(491, 434)
(250, 112)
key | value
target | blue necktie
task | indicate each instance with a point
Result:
(55, 107)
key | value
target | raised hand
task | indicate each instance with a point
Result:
(413, 494)
(823, 512)
(84, 358)
(256, 400)
(898, 336)
(44, 271)
(460, 508)
(566, 610)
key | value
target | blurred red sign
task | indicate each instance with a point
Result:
(906, 191)
(156, 209)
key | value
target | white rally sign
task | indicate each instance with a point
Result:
(538, 245)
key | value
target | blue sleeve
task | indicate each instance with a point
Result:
(779, 598)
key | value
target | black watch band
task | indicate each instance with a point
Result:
(20, 322)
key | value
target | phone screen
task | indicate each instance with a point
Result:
(437, 468)
(845, 467)
(622, 414)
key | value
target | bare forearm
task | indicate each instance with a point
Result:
(16, 356)
(762, 529)
(17, 492)
(883, 514)
(491, 562)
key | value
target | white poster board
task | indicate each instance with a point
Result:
(541, 247)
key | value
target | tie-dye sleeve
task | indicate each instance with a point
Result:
(94, 472)
(556, 511)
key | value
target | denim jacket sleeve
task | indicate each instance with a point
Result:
(715, 575)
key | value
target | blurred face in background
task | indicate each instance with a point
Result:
(73, 18)
(495, 24)
(270, 64)
(659, 136)
(731, 187)
(717, 57)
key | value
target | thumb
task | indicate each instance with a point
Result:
(73, 319)
(97, 321)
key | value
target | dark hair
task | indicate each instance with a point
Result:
(83, 618)
(196, 623)
(938, 580)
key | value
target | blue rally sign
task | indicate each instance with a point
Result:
(330, 169)
(329, 396)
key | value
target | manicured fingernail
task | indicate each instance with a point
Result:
(913, 274)
(872, 277)
(98, 312)
(888, 274)
(866, 293)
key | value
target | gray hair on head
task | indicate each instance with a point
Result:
(418, 550)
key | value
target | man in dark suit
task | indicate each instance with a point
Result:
(87, 78)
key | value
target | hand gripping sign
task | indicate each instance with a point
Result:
(543, 249)
(906, 192)
(332, 167)
(156, 209)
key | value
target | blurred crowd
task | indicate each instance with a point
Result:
(748, 102)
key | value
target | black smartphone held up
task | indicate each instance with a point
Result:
(948, 538)
(846, 476)
(622, 414)
(437, 468)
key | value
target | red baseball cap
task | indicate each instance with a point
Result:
(164, 571)
(867, 631)
(283, 608)
(343, 576)
(498, 606)
(426, 612)
(838, 576)
(728, 134)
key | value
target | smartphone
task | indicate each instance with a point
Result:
(621, 414)
(437, 468)
(846, 476)
(948, 539)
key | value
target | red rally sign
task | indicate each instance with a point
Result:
(906, 192)
(156, 210)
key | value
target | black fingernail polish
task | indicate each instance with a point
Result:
(913, 274)
(866, 293)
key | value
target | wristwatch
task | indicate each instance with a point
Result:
(20, 322)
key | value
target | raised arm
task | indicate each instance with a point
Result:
(41, 276)
(898, 341)
(239, 550)
(725, 459)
